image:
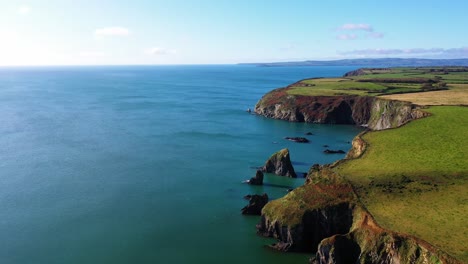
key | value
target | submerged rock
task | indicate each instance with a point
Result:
(297, 139)
(258, 179)
(329, 151)
(256, 204)
(280, 164)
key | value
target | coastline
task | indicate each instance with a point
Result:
(362, 238)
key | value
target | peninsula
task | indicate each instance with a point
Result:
(400, 195)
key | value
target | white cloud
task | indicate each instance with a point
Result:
(160, 51)
(359, 30)
(24, 10)
(365, 27)
(112, 31)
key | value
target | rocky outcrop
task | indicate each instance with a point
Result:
(331, 151)
(372, 112)
(315, 225)
(280, 164)
(324, 217)
(390, 114)
(258, 179)
(369, 243)
(256, 204)
(305, 216)
(297, 139)
(358, 147)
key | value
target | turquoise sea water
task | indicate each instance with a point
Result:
(144, 164)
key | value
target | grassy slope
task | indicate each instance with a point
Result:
(414, 179)
(411, 80)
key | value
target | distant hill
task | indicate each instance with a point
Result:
(381, 62)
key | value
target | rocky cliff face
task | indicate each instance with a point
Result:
(315, 225)
(373, 112)
(390, 114)
(325, 217)
(369, 243)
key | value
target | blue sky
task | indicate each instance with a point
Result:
(89, 32)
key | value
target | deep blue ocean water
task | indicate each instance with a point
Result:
(144, 164)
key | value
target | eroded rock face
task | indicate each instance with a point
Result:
(280, 164)
(256, 204)
(315, 226)
(368, 244)
(357, 149)
(343, 250)
(372, 112)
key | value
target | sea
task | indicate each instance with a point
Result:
(145, 164)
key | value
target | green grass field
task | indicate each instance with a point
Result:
(375, 82)
(414, 179)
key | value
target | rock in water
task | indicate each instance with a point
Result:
(280, 164)
(256, 204)
(258, 179)
(329, 151)
(297, 139)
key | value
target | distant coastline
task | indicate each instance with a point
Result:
(380, 62)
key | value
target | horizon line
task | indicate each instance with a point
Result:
(208, 64)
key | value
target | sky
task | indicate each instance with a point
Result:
(123, 32)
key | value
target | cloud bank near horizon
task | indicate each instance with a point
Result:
(451, 52)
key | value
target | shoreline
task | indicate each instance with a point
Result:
(378, 114)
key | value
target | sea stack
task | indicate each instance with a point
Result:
(258, 179)
(280, 164)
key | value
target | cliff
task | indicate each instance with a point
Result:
(326, 217)
(373, 112)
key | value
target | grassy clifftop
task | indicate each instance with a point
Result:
(414, 179)
(383, 81)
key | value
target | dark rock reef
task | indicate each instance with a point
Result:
(256, 204)
(280, 164)
(297, 139)
(258, 179)
(330, 151)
